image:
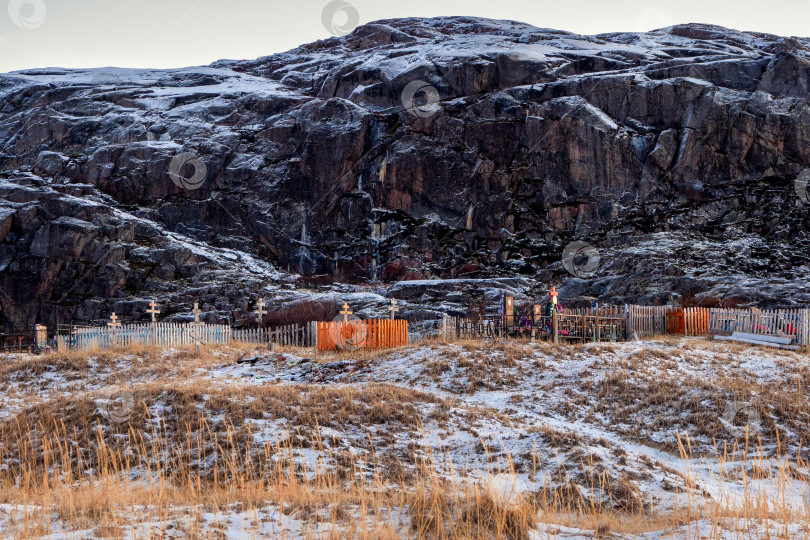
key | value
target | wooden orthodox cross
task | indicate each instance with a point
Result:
(259, 311)
(393, 309)
(345, 312)
(153, 309)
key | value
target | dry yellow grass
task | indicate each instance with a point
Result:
(125, 490)
(64, 468)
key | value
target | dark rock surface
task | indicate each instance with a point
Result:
(675, 153)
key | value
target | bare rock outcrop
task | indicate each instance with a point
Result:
(412, 149)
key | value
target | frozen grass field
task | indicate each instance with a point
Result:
(653, 439)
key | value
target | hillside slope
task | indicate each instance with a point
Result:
(411, 149)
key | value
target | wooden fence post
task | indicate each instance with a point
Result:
(555, 327)
(582, 321)
(628, 323)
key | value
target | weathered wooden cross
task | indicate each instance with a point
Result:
(553, 293)
(113, 320)
(345, 312)
(393, 309)
(259, 311)
(195, 327)
(153, 309)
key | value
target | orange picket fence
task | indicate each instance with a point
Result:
(696, 321)
(675, 322)
(691, 321)
(362, 334)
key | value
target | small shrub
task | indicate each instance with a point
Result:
(708, 302)
(299, 313)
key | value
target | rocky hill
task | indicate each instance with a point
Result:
(412, 149)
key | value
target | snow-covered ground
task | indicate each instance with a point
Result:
(644, 427)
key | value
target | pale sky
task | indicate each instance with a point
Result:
(179, 33)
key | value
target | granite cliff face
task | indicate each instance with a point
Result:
(412, 149)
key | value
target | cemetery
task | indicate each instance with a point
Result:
(482, 395)
(549, 322)
(516, 396)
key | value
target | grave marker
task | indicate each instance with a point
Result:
(195, 326)
(114, 325)
(41, 336)
(393, 309)
(537, 314)
(260, 312)
(153, 310)
(509, 311)
(345, 312)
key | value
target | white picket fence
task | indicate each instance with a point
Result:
(645, 321)
(290, 335)
(179, 335)
(161, 334)
(776, 322)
